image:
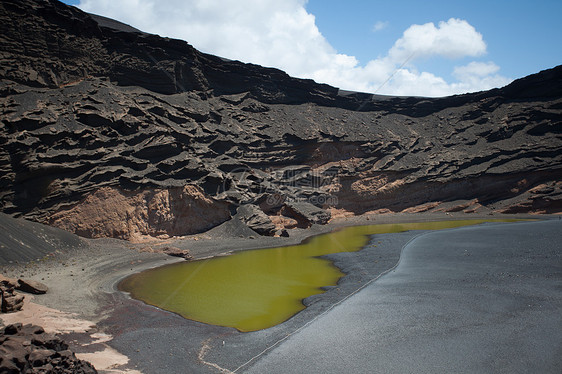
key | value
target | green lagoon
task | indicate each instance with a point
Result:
(256, 289)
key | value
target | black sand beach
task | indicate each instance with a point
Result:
(475, 299)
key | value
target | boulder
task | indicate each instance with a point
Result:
(308, 213)
(256, 219)
(40, 357)
(177, 252)
(31, 286)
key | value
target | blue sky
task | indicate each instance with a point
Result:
(523, 37)
(396, 47)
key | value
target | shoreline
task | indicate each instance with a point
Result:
(103, 263)
(84, 283)
(203, 247)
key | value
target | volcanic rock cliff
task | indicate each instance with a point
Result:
(109, 131)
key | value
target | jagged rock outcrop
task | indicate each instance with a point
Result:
(10, 300)
(103, 128)
(29, 349)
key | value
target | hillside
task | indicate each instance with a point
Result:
(107, 131)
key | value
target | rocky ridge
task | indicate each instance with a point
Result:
(108, 131)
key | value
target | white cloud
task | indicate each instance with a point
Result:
(283, 34)
(475, 69)
(379, 25)
(477, 76)
(266, 32)
(452, 39)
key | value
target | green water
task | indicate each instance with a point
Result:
(256, 289)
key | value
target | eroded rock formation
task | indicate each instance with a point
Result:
(10, 300)
(108, 131)
(130, 214)
(29, 349)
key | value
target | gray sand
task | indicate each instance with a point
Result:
(480, 299)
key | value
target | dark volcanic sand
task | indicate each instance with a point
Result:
(476, 299)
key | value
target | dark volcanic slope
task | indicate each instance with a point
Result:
(24, 241)
(106, 131)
